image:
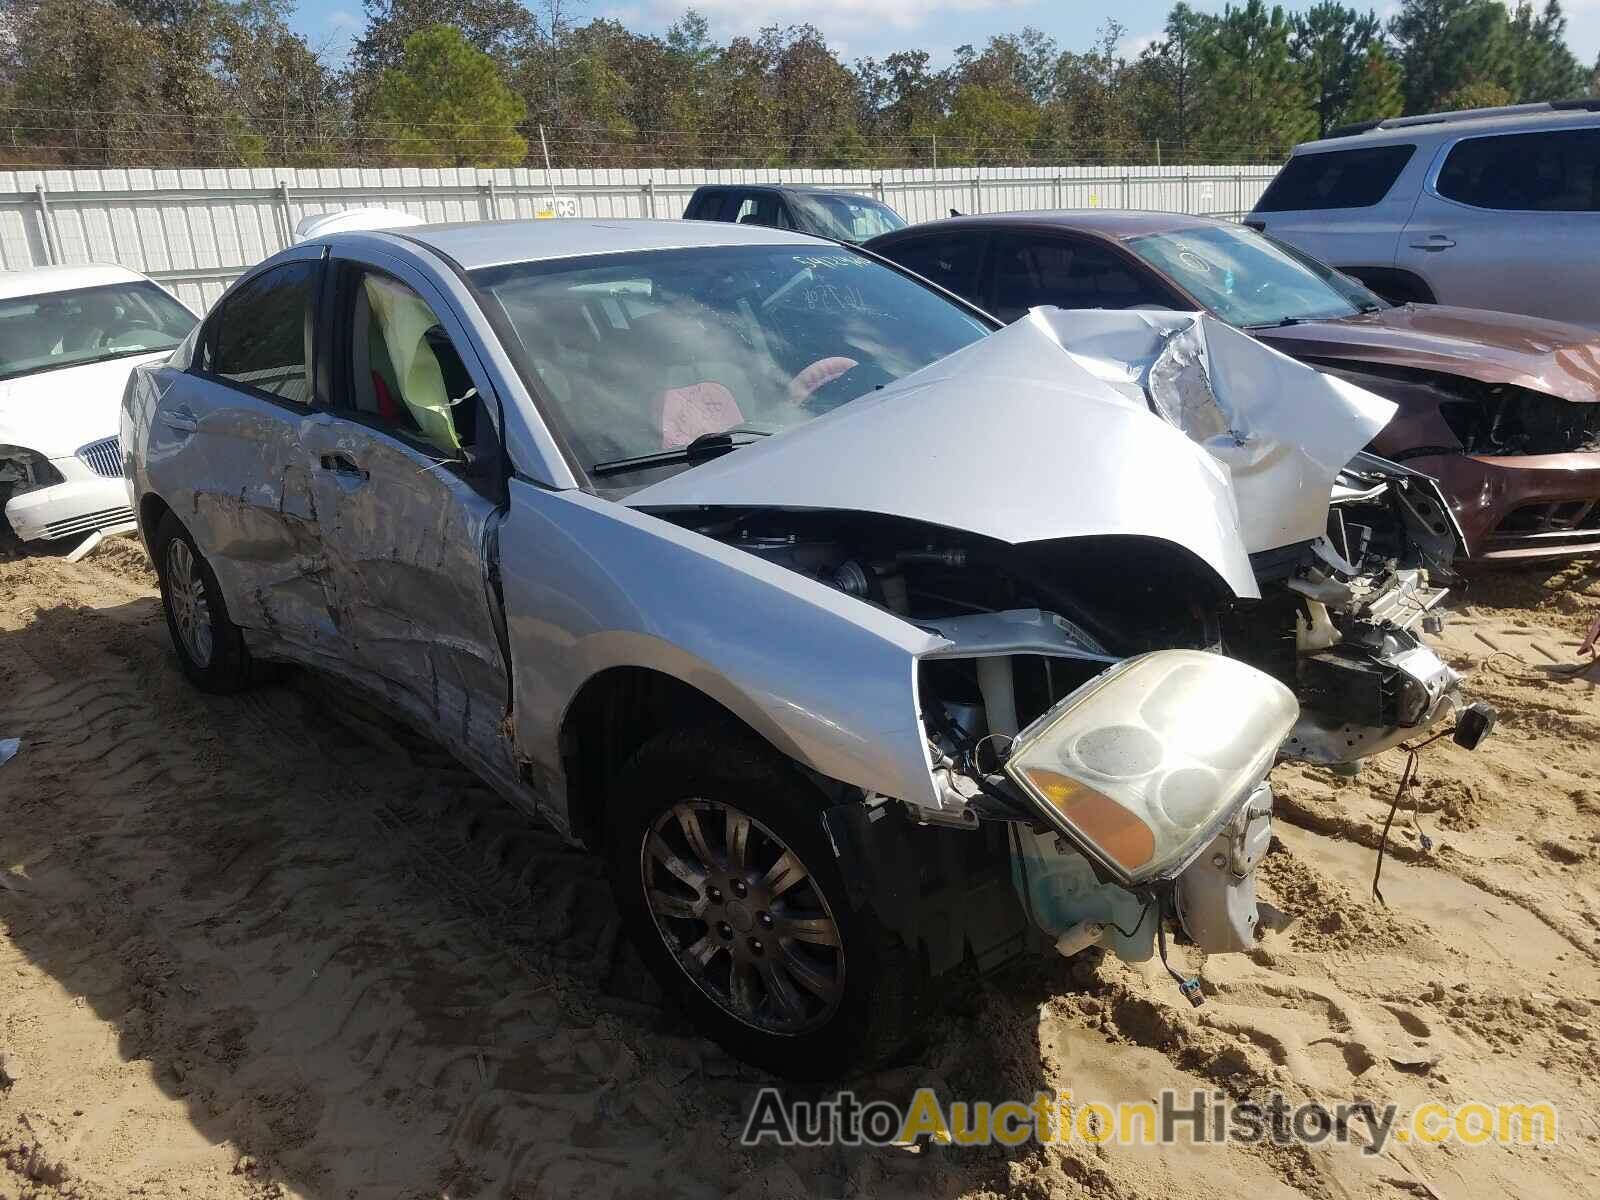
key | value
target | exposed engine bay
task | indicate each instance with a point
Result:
(1127, 813)
(1499, 419)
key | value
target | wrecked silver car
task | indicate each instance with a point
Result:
(868, 641)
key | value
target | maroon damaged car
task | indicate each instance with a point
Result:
(1504, 410)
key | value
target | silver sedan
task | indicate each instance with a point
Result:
(867, 641)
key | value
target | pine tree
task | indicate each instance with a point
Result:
(1377, 93)
(1257, 105)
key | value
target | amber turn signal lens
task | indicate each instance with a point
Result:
(1120, 835)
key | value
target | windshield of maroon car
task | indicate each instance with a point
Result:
(85, 325)
(639, 354)
(1251, 280)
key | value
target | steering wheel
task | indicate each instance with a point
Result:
(108, 336)
(850, 384)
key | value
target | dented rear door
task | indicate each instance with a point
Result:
(224, 450)
(406, 528)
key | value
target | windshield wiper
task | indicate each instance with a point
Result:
(702, 449)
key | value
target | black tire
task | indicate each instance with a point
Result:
(228, 666)
(724, 768)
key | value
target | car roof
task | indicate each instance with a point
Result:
(36, 280)
(494, 243)
(1465, 123)
(1109, 222)
(815, 189)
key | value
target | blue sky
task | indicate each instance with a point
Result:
(857, 28)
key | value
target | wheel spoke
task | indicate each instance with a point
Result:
(689, 822)
(811, 977)
(703, 951)
(785, 873)
(662, 853)
(781, 990)
(741, 989)
(737, 830)
(666, 905)
(819, 931)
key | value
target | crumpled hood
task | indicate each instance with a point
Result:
(1283, 430)
(1545, 356)
(1042, 431)
(56, 413)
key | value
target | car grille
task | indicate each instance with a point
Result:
(88, 522)
(104, 457)
(1566, 516)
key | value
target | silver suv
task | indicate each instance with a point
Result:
(1494, 208)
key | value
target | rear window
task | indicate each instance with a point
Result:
(1336, 179)
(1557, 171)
(705, 206)
(950, 260)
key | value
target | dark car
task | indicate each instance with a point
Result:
(841, 215)
(1500, 408)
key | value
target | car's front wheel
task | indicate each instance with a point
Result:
(729, 887)
(210, 647)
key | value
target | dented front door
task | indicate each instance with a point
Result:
(406, 531)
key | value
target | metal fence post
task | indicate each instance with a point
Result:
(493, 193)
(1059, 191)
(977, 193)
(1127, 197)
(650, 198)
(288, 216)
(47, 226)
(877, 189)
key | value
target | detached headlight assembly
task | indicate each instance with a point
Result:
(1143, 765)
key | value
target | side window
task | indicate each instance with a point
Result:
(706, 206)
(760, 208)
(1030, 271)
(1335, 179)
(263, 333)
(951, 261)
(1557, 171)
(406, 374)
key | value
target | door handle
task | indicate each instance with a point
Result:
(1434, 241)
(342, 466)
(180, 420)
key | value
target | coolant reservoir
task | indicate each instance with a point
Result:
(1318, 632)
(1060, 891)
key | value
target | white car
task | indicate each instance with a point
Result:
(69, 336)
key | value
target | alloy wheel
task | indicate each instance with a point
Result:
(191, 610)
(743, 916)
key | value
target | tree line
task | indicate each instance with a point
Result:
(492, 82)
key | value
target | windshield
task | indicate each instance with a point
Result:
(1248, 279)
(68, 329)
(846, 217)
(639, 354)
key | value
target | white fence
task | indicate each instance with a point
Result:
(194, 230)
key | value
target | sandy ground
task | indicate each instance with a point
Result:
(259, 946)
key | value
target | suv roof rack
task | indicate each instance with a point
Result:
(1581, 104)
